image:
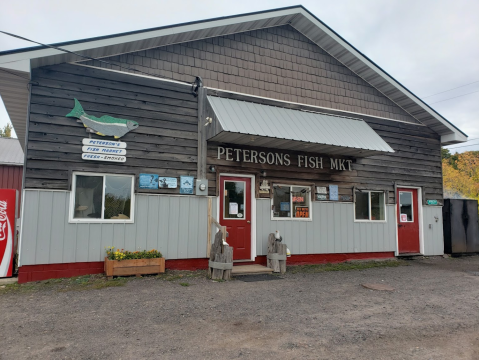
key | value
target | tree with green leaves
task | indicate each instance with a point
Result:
(6, 132)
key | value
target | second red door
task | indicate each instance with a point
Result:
(408, 221)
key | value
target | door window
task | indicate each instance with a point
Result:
(405, 207)
(234, 200)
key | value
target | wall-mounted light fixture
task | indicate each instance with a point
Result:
(212, 168)
(263, 172)
(208, 121)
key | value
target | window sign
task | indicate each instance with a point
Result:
(233, 208)
(290, 202)
(403, 217)
(284, 206)
(167, 182)
(186, 184)
(302, 212)
(148, 181)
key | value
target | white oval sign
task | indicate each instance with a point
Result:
(240, 215)
(103, 157)
(103, 150)
(105, 143)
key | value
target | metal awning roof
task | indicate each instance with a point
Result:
(247, 123)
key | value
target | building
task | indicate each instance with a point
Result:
(264, 121)
(11, 165)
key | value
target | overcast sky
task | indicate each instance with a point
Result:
(430, 46)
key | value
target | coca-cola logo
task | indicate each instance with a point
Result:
(3, 220)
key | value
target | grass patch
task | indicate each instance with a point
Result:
(79, 283)
(345, 266)
(184, 284)
(173, 275)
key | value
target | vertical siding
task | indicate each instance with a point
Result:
(332, 230)
(11, 178)
(433, 237)
(175, 225)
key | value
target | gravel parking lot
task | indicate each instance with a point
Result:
(433, 313)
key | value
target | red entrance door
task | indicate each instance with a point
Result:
(408, 221)
(235, 214)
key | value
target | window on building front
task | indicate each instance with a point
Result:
(291, 202)
(99, 197)
(370, 206)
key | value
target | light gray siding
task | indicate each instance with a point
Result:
(332, 230)
(433, 235)
(175, 225)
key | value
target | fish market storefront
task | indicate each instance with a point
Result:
(244, 121)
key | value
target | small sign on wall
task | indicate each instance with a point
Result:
(167, 182)
(186, 184)
(148, 181)
(103, 157)
(431, 202)
(103, 150)
(333, 192)
(321, 197)
(321, 190)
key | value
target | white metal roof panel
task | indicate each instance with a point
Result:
(250, 123)
(11, 152)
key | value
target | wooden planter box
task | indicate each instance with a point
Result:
(134, 267)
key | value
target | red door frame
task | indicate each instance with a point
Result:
(247, 221)
(409, 232)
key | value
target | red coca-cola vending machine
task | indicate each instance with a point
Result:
(8, 230)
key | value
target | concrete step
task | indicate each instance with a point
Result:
(250, 270)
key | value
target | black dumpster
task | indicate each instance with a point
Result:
(461, 226)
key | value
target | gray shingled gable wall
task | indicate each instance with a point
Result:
(278, 63)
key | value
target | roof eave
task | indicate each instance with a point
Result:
(296, 16)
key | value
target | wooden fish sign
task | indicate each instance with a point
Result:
(105, 125)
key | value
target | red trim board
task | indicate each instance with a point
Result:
(29, 273)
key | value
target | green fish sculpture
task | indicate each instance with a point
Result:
(105, 125)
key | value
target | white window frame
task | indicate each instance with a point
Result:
(291, 218)
(71, 218)
(369, 202)
(245, 201)
(412, 206)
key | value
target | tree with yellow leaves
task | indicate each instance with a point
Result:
(461, 174)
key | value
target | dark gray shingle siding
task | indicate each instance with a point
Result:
(278, 63)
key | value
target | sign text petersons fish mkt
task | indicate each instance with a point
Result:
(274, 158)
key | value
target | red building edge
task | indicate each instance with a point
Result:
(29, 273)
